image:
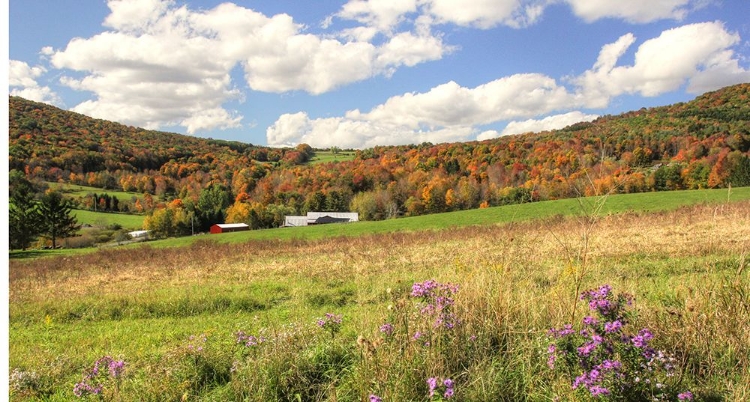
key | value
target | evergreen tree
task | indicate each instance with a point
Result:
(23, 213)
(56, 220)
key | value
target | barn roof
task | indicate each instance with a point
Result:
(232, 225)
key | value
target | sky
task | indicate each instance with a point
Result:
(362, 73)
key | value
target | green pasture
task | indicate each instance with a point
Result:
(327, 156)
(75, 190)
(103, 219)
(612, 204)
(155, 307)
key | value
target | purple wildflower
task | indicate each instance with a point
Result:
(387, 329)
(448, 388)
(432, 384)
(589, 320)
(551, 349)
(685, 396)
(641, 340)
(375, 398)
(598, 390)
(613, 326)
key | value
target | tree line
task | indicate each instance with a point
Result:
(49, 216)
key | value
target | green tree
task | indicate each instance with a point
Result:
(55, 218)
(212, 204)
(23, 218)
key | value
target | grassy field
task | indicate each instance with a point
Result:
(240, 320)
(326, 156)
(127, 221)
(74, 190)
(614, 204)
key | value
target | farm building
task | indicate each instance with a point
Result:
(319, 218)
(228, 227)
(138, 234)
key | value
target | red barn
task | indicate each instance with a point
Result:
(228, 227)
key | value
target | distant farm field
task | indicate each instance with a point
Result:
(327, 156)
(613, 204)
(247, 319)
(74, 190)
(127, 221)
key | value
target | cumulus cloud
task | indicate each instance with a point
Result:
(22, 79)
(381, 16)
(485, 13)
(162, 65)
(548, 123)
(447, 113)
(346, 132)
(634, 11)
(697, 54)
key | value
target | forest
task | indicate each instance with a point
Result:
(704, 143)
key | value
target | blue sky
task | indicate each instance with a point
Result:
(360, 73)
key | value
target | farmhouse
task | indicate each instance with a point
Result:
(228, 227)
(319, 218)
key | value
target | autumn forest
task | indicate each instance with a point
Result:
(704, 143)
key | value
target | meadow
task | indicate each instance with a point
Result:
(103, 219)
(78, 191)
(328, 156)
(459, 310)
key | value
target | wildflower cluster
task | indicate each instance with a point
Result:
(331, 323)
(104, 370)
(387, 329)
(437, 301)
(196, 343)
(608, 362)
(249, 340)
(440, 388)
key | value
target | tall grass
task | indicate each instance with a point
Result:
(174, 314)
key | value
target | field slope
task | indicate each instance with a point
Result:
(240, 321)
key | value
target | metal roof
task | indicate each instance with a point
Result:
(232, 225)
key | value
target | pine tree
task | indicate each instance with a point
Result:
(23, 214)
(56, 220)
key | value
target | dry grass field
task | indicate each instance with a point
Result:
(686, 269)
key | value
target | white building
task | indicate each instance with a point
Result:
(319, 218)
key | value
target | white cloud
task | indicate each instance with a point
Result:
(697, 54)
(520, 95)
(546, 124)
(485, 14)
(634, 11)
(446, 113)
(293, 129)
(381, 14)
(160, 65)
(22, 79)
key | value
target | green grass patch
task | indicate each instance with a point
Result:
(103, 219)
(75, 191)
(327, 156)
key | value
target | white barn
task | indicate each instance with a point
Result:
(318, 218)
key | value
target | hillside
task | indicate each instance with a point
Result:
(704, 143)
